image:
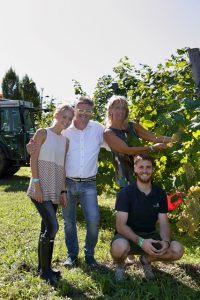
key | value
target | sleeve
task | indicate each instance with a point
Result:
(163, 202)
(101, 132)
(122, 201)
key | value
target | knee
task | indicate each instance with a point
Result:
(120, 248)
(53, 230)
(177, 250)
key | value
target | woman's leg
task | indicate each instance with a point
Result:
(49, 228)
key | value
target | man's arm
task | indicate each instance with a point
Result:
(125, 230)
(164, 230)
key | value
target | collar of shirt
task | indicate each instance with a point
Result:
(72, 126)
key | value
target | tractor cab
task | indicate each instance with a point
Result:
(16, 128)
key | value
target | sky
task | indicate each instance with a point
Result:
(55, 41)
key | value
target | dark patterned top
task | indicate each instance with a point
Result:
(123, 163)
(51, 167)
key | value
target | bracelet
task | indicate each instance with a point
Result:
(140, 241)
(63, 192)
(151, 148)
(168, 243)
(34, 180)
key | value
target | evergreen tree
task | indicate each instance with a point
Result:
(10, 85)
(29, 91)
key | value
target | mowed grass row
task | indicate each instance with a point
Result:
(19, 228)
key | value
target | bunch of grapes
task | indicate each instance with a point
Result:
(189, 171)
(190, 218)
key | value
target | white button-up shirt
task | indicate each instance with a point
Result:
(84, 147)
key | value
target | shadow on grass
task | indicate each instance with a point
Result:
(192, 271)
(63, 288)
(15, 183)
(107, 217)
(165, 286)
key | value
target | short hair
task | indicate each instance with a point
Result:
(143, 156)
(85, 100)
(110, 103)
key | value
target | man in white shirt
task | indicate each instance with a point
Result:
(86, 137)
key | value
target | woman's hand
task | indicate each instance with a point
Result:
(38, 193)
(159, 146)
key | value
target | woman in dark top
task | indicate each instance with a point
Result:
(123, 137)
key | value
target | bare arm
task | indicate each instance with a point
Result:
(63, 196)
(125, 230)
(39, 138)
(150, 136)
(116, 144)
(164, 227)
(164, 233)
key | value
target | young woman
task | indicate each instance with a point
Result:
(47, 185)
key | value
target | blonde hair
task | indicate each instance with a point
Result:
(123, 100)
(62, 108)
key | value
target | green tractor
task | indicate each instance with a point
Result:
(16, 128)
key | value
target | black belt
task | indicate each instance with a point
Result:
(77, 179)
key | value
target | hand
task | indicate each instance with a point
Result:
(31, 147)
(160, 146)
(38, 193)
(63, 200)
(165, 247)
(167, 139)
(150, 249)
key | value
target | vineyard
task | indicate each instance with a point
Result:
(165, 101)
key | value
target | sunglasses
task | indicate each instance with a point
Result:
(84, 111)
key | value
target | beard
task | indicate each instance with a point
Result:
(142, 179)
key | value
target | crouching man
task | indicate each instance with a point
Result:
(139, 207)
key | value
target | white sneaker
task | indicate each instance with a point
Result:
(119, 273)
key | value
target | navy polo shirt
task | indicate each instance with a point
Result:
(142, 209)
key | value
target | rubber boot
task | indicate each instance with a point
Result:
(54, 271)
(45, 262)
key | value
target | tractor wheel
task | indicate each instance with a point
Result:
(11, 170)
(3, 162)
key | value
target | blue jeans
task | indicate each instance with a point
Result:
(86, 194)
(49, 223)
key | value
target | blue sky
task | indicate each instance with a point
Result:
(55, 41)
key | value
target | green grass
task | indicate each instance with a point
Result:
(19, 228)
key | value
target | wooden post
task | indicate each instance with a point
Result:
(194, 57)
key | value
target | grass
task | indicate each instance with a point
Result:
(19, 228)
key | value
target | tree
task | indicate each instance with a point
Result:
(29, 91)
(10, 85)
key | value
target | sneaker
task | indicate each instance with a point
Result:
(90, 261)
(119, 273)
(71, 261)
(148, 273)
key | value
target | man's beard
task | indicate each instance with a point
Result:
(143, 180)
